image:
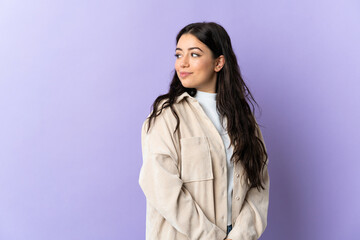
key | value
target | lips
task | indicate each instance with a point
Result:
(184, 74)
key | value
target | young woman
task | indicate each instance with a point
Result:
(204, 171)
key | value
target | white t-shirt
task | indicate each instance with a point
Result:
(208, 103)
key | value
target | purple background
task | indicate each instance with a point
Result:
(77, 79)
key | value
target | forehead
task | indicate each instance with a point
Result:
(188, 40)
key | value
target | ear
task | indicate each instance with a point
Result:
(219, 63)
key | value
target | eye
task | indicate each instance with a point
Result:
(197, 55)
(177, 55)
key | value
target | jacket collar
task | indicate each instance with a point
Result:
(182, 96)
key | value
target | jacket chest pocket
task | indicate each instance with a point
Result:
(196, 162)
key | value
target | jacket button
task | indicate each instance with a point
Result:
(237, 175)
(237, 198)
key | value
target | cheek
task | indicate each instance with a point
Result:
(203, 67)
(176, 65)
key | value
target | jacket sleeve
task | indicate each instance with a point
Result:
(252, 220)
(163, 188)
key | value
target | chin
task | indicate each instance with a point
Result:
(186, 84)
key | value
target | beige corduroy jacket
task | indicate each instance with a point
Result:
(184, 179)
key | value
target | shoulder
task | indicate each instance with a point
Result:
(164, 118)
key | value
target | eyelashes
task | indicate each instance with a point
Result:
(177, 55)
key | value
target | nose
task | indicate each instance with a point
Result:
(184, 62)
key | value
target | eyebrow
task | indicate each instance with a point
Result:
(189, 48)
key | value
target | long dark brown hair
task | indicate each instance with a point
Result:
(231, 100)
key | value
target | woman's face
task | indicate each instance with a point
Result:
(195, 65)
